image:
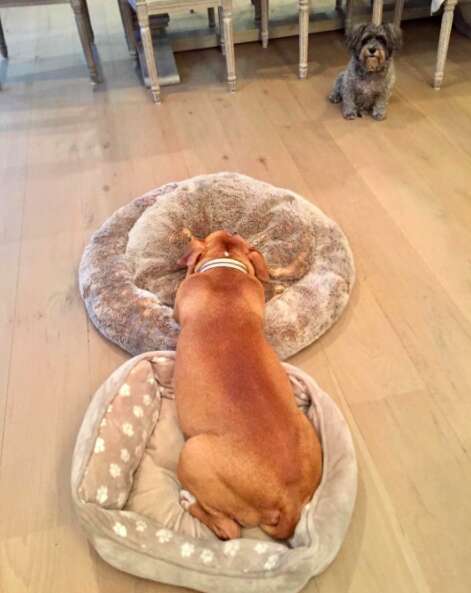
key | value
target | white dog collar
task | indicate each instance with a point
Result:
(223, 262)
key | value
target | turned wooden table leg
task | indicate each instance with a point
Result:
(84, 34)
(348, 16)
(211, 18)
(444, 41)
(377, 17)
(126, 18)
(398, 10)
(3, 43)
(221, 31)
(88, 22)
(303, 37)
(257, 11)
(264, 7)
(229, 43)
(146, 38)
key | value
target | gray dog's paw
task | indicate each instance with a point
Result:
(379, 115)
(334, 98)
(350, 114)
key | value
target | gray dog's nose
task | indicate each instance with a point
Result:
(372, 50)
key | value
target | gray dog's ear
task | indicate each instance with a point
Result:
(394, 37)
(354, 37)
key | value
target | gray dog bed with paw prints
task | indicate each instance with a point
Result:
(129, 275)
(127, 495)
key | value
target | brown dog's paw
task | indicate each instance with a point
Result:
(186, 499)
(225, 528)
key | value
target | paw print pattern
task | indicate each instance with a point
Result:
(186, 550)
(271, 562)
(102, 495)
(164, 535)
(99, 445)
(206, 556)
(120, 529)
(231, 548)
(124, 390)
(115, 470)
(141, 526)
(138, 411)
(128, 429)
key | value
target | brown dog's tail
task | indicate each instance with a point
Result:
(286, 520)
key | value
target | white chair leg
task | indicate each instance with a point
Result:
(303, 37)
(146, 37)
(257, 11)
(377, 17)
(398, 10)
(229, 43)
(126, 17)
(348, 16)
(221, 31)
(264, 7)
(88, 22)
(84, 34)
(211, 18)
(3, 43)
(443, 43)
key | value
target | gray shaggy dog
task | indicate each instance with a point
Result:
(366, 85)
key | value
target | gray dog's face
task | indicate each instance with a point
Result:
(373, 45)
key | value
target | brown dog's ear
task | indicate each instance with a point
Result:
(394, 37)
(192, 256)
(354, 37)
(259, 264)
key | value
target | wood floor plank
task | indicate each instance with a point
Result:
(429, 487)
(15, 128)
(397, 362)
(430, 328)
(376, 544)
(430, 191)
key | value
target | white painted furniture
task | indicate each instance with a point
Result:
(84, 27)
(444, 42)
(147, 8)
(303, 9)
(445, 29)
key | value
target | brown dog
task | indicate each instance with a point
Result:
(251, 458)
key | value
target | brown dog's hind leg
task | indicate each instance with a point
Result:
(223, 526)
(198, 474)
(286, 524)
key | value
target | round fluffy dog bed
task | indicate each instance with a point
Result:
(126, 492)
(129, 276)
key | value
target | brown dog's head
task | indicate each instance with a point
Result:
(223, 244)
(373, 46)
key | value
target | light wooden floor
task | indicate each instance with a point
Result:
(399, 361)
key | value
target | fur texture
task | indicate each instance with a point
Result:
(366, 85)
(151, 536)
(129, 273)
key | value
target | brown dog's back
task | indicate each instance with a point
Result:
(252, 457)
